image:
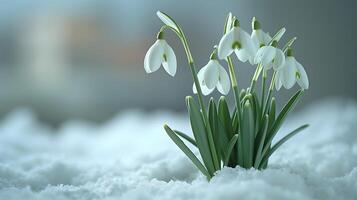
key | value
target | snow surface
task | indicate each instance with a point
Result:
(130, 157)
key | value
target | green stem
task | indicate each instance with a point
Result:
(181, 35)
(270, 93)
(234, 87)
(255, 78)
(264, 78)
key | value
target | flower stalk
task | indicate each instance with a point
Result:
(242, 137)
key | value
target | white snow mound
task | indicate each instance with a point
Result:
(131, 157)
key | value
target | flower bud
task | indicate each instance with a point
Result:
(236, 23)
(255, 24)
(289, 52)
(160, 35)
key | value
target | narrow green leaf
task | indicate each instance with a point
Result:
(224, 116)
(199, 132)
(280, 119)
(235, 123)
(230, 148)
(186, 150)
(282, 141)
(272, 110)
(259, 141)
(213, 121)
(257, 112)
(242, 94)
(248, 135)
(186, 137)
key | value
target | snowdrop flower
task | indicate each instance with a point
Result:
(270, 56)
(236, 40)
(259, 37)
(160, 53)
(212, 76)
(291, 72)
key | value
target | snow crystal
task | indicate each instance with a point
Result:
(130, 157)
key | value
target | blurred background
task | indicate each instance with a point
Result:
(69, 59)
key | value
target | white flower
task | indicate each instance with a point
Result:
(160, 53)
(212, 76)
(270, 56)
(291, 72)
(236, 40)
(259, 37)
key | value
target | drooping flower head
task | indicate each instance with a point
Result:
(270, 57)
(266, 51)
(236, 40)
(259, 37)
(290, 73)
(212, 76)
(160, 53)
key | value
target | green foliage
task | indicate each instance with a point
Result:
(242, 136)
(246, 143)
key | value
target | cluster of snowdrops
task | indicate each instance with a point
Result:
(242, 136)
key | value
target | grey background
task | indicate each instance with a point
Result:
(95, 87)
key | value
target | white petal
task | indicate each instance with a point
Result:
(211, 74)
(205, 90)
(265, 55)
(170, 65)
(154, 57)
(242, 55)
(289, 72)
(278, 82)
(303, 81)
(267, 38)
(225, 45)
(167, 20)
(279, 59)
(258, 37)
(224, 84)
(247, 43)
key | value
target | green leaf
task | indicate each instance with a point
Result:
(216, 132)
(200, 134)
(235, 122)
(230, 148)
(186, 137)
(225, 129)
(280, 119)
(242, 94)
(257, 112)
(259, 141)
(224, 116)
(282, 141)
(248, 135)
(186, 150)
(271, 114)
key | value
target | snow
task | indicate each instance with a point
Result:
(130, 157)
